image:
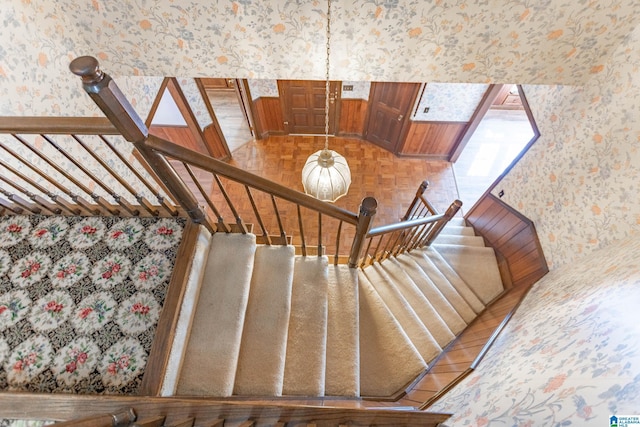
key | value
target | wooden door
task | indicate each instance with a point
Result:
(389, 112)
(303, 105)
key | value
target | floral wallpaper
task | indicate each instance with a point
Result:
(263, 88)
(559, 42)
(579, 182)
(360, 90)
(449, 102)
(195, 101)
(569, 356)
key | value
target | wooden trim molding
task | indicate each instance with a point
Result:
(485, 104)
(165, 331)
(513, 236)
(63, 406)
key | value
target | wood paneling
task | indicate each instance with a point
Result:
(41, 406)
(514, 238)
(217, 147)
(353, 113)
(165, 332)
(180, 135)
(458, 358)
(268, 115)
(432, 139)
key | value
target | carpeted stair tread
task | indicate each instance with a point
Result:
(416, 299)
(213, 347)
(304, 372)
(455, 239)
(403, 312)
(477, 267)
(260, 369)
(445, 287)
(388, 359)
(454, 278)
(458, 230)
(457, 220)
(446, 311)
(342, 376)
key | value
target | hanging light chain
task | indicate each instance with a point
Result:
(326, 87)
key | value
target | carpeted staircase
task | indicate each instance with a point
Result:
(270, 323)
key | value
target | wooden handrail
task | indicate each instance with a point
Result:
(58, 125)
(218, 167)
(404, 225)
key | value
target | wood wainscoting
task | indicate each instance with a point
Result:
(353, 114)
(434, 140)
(268, 117)
(513, 236)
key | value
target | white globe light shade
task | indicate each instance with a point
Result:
(326, 175)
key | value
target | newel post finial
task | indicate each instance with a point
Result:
(107, 95)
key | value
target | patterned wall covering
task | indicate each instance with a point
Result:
(455, 41)
(569, 357)
(263, 88)
(194, 98)
(360, 90)
(579, 182)
(449, 102)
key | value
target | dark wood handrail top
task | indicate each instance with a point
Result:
(58, 125)
(223, 169)
(403, 225)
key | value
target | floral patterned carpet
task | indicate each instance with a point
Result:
(80, 298)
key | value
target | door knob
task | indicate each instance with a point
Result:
(400, 117)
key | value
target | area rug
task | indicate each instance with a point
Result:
(80, 299)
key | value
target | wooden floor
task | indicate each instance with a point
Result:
(232, 122)
(375, 172)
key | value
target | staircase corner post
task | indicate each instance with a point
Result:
(109, 98)
(368, 209)
(452, 210)
(421, 189)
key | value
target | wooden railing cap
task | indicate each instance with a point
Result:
(88, 68)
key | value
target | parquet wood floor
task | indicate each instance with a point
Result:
(375, 172)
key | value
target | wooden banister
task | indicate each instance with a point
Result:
(58, 125)
(218, 167)
(118, 419)
(404, 225)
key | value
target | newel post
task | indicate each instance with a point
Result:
(107, 95)
(452, 210)
(368, 209)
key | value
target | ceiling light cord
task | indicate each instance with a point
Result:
(327, 84)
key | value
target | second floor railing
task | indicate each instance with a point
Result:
(75, 166)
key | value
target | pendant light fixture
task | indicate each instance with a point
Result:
(326, 174)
